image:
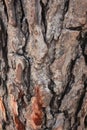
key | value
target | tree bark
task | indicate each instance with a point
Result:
(43, 65)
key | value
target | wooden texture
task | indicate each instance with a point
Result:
(43, 64)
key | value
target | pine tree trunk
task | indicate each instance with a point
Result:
(43, 65)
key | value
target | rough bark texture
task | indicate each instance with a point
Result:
(43, 64)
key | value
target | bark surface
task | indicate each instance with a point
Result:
(43, 65)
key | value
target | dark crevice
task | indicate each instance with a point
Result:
(53, 102)
(51, 88)
(78, 28)
(45, 120)
(26, 34)
(83, 44)
(4, 69)
(85, 121)
(5, 51)
(3, 43)
(47, 3)
(3, 125)
(66, 114)
(24, 27)
(27, 75)
(5, 8)
(23, 55)
(66, 7)
(44, 22)
(70, 80)
(80, 104)
(15, 3)
(53, 109)
(23, 15)
(43, 14)
(44, 126)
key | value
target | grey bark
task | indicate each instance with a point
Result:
(43, 64)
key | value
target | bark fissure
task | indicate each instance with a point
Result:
(78, 28)
(43, 43)
(66, 6)
(5, 8)
(43, 13)
(70, 80)
(83, 45)
(4, 71)
(80, 102)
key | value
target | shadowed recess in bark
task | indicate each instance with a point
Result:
(44, 43)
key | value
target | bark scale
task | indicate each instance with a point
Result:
(43, 65)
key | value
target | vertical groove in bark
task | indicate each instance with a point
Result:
(43, 44)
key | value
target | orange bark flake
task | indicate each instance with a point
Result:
(19, 125)
(37, 112)
(20, 94)
(19, 73)
(2, 109)
(14, 106)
